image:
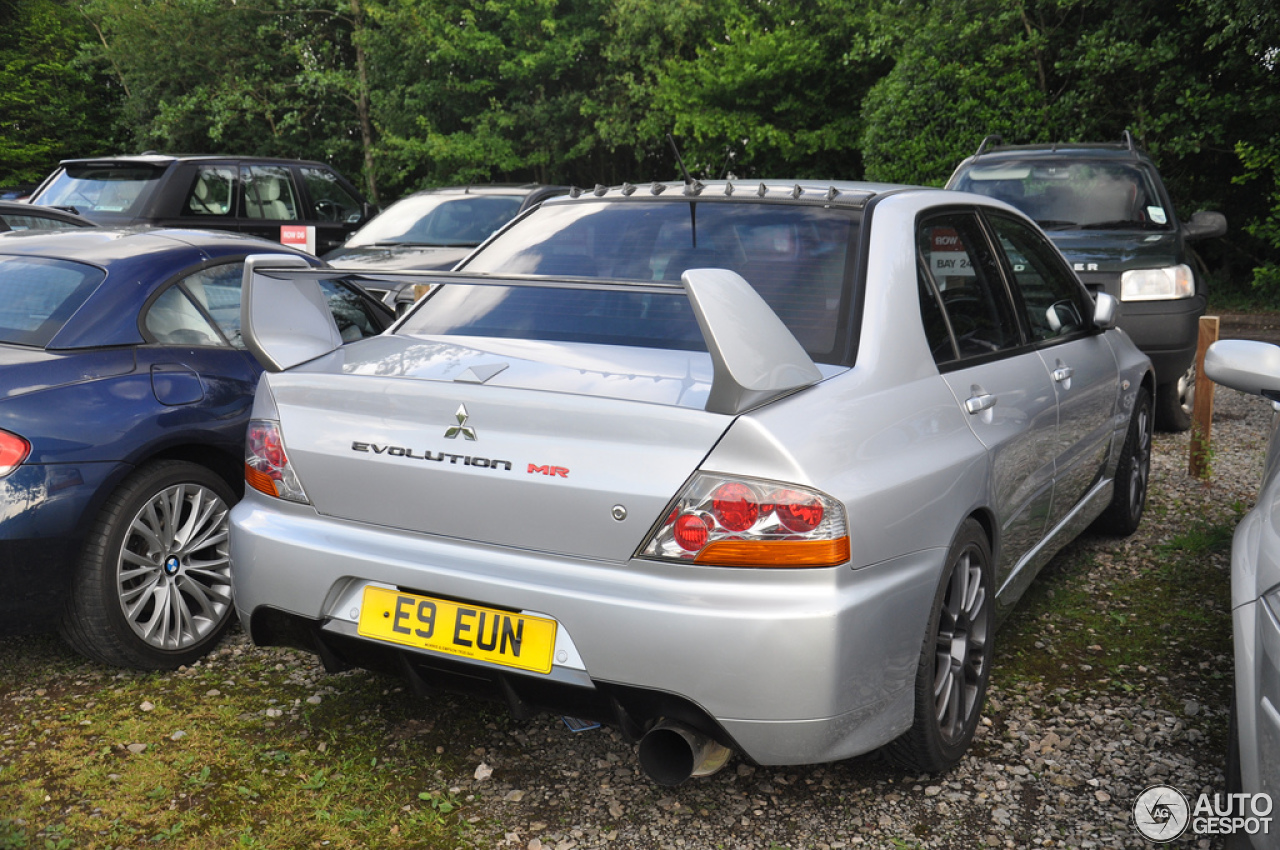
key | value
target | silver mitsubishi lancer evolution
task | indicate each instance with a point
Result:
(736, 469)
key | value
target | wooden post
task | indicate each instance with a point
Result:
(1202, 416)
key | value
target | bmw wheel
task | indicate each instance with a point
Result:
(955, 662)
(153, 588)
(1122, 515)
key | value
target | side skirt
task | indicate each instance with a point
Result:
(1024, 572)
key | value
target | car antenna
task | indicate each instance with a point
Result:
(688, 181)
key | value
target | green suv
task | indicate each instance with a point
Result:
(1106, 208)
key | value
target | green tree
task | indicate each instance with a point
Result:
(750, 88)
(51, 106)
(261, 77)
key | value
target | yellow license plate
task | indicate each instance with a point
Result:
(468, 631)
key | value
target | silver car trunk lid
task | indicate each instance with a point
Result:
(554, 447)
(554, 472)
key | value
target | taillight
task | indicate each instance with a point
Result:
(13, 451)
(741, 522)
(266, 463)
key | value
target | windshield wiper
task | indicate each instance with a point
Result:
(1054, 224)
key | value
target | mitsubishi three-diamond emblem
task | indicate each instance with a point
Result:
(461, 427)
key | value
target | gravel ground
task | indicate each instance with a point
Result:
(1053, 765)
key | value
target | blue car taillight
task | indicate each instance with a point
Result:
(13, 451)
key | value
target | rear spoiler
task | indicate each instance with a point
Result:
(285, 321)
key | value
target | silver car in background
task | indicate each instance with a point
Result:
(1253, 757)
(752, 468)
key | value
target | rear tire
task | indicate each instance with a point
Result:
(1133, 474)
(153, 587)
(955, 661)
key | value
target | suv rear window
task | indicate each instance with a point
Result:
(796, 257)
(1066, 194)
(38, 295)
(103, 190)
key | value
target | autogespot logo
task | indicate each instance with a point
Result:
(1161, 813)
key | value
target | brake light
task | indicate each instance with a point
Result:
(741, 522)
(266, 463)
(13, 451)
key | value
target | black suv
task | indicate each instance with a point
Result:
(1107, 210)
(284, 200)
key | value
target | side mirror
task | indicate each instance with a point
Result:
(1205, 225)
(1245, 365)
(1106, 311)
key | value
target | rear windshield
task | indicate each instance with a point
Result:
(38, 295)
(797, 258)
(1072, 194)
(104, 191)
(439, 221)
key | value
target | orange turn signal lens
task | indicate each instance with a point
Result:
(260, 481)
(775, 553)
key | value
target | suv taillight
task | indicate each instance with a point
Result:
(266, 464)
(739, 522)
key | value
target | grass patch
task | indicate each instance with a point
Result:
(213, 758)
(1165, 619)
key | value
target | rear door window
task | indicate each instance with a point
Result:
(213, 192)
(961, 283)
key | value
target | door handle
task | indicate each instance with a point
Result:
(979, 403)
(1063, 373)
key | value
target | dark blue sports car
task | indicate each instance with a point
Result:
(125, 392)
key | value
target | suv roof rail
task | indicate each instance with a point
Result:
(993, 139)
(1129, 143)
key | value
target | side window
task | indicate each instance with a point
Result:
(211, 192)
(331, 201)
(268, 193)
(958, 263)
(217, 290)
(174, 319)
(1055, 303)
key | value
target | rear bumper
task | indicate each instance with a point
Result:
(790, 667)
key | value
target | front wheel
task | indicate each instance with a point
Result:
(955, 662)
(153, 587)
(1133, 472)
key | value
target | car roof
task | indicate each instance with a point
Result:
(490, 189)
(840, 193)
(993, 147)
(159, 159)
(105, 245)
